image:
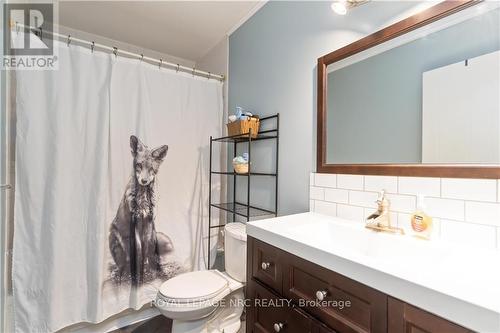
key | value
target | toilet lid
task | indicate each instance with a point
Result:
(237, 230)
(194, 286)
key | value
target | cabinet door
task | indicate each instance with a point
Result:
(266, 265)
(266, 317)
(321, 328)
(406, 318)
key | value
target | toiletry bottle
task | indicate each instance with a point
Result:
(239, 112)
(421, 223)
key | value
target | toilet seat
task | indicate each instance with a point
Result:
(194, 295)
(194, 287)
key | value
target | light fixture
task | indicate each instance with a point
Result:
(341, 7)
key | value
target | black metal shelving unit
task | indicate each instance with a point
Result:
(245, 210)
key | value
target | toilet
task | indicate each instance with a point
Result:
(209, 301)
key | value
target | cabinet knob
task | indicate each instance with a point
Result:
(265, 265)
(321, 295)
(278, 327)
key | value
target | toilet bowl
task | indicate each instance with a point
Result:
(209, 301)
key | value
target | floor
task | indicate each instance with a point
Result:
(158, 324)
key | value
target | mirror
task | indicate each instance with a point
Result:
(429, 96)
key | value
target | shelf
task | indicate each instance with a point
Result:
(241, 209)
(217, 226)
(268, 131)
(263, 135)
(244, 174)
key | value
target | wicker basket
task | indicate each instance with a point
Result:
(240, 167)
(243, 127)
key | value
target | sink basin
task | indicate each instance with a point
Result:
(440, 265)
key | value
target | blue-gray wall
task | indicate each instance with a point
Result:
(376, 100)
(272, 68)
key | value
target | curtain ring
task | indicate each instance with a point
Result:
(17, 28)
(69, 40)
(142, 57)
(161, 63)
(193, 71)
(92, 46)
(209, 75)
(177, 70)
(115, 51)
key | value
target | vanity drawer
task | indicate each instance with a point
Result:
(404, 317)
(269, 319)
(267, 266)
(367, 311)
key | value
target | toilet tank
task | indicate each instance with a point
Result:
(235, 250)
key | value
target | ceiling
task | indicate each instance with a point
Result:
(185, 29)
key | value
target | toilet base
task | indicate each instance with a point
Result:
(225, 318)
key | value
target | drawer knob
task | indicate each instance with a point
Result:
(265, 265)
(321, 295)
(278, 327)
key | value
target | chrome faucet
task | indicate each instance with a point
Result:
(381, 219)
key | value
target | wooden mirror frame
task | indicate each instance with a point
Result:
(411, 23)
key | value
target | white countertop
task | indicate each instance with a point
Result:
(457, 283)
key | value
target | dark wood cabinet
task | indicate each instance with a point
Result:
(292, 295)
(407, 318)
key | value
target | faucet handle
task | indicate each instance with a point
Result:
(382, 200)
(381, 195)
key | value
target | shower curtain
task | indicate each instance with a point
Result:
(111, 185)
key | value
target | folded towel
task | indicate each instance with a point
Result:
(240, 160)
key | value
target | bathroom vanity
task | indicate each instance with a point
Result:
(366, 281)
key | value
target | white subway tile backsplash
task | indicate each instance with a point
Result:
(469, 189)
(363, 199)
(468, 234)
(482, 212)
(352, 213)
(498, 194)
(316, 193)
(325, 180)
(311, 179)
(445, 208)
(327, 208)
(336, 195)
(350, 182)
(379, 183)
(402, 203)
(498, 238)
(464, 210)
(420, 186)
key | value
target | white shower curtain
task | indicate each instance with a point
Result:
(75, 156)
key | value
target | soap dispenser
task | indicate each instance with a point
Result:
(421, 223)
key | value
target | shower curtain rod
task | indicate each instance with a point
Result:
(116, 52)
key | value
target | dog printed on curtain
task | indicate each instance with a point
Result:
(139, 252)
